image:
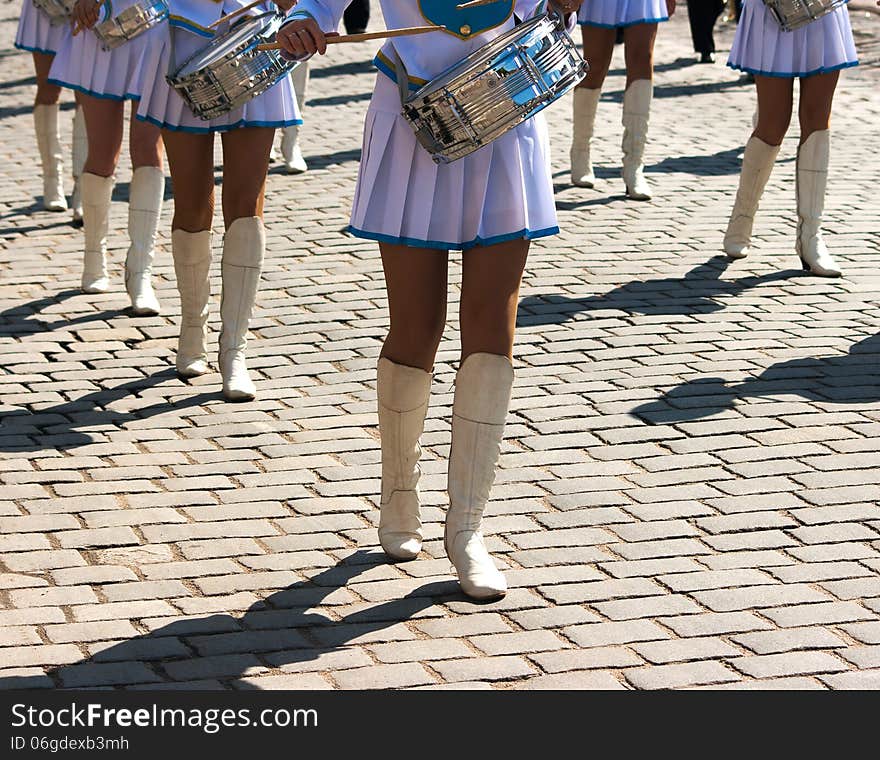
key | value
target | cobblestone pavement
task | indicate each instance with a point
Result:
(689, 488)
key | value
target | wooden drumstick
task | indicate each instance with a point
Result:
(235, 14)
(474, 4)
(335, 40)
(76, 27)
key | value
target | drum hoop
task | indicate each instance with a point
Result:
(463, 68)
(250, 43)
(113, 29)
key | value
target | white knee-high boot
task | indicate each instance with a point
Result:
(757, 166)
(144, 209)
(482, 397)
(79, 153)
(243, 249)
(290, 150)
(812, 180)
(403, 394)
(192, 264)
(49, 143)
(586, 102)
(636, 114)
(96, 197)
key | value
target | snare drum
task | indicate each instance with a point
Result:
(495, 88)
(793, 14)
(58, 11)
(230, 71)
(130, 23)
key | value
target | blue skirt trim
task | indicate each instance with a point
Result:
(34, 49)
(85, 91)
(524, 234)
(221, 128)
(628, 23)
(793, 75)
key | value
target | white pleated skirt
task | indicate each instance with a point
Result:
(163, 106)
(36, 34)
(82, 65)
(501, 192)
(761, 47)
(610, 14)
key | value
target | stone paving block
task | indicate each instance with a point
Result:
(648, 606)
(680, 675)
(292, 682)
(787, 640)
(425, 650)
(503, 668)
(827, 613)
(779, 595)
(681, 650)
(862, 657)
(715, 623)
(521, 642)
(865, 680)
(470, 625)
(867, 633)
(624, 632)
(788, 664)
(574, 680)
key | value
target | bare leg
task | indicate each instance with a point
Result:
(639, 52)
(490, 291)
(47, 94)
(104, 124)
(245, 163)
(491, 278)
(774, 114)
(145, 199)
(598, 49)
(775, 96)
(47, 133)
(191, 159)
(416, 282)
(415, 279)
(816, 97)
(638, 45)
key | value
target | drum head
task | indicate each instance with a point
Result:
(243, 33)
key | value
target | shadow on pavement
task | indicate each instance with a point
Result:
(694, 293)
(283, 628)
(850, 378)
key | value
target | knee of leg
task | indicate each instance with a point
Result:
(192, 218)
(813, 118)
(420, 334)
(47, 94)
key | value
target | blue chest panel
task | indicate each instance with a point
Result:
(468, 22)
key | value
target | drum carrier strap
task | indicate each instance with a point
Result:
(403, 77)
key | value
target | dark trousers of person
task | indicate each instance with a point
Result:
(357, 16)
(703, 14)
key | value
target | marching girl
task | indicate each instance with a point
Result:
(42, 39)
(599, 20)
(104, 80)
(247, 134)
(815, 54)
(489, 204)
